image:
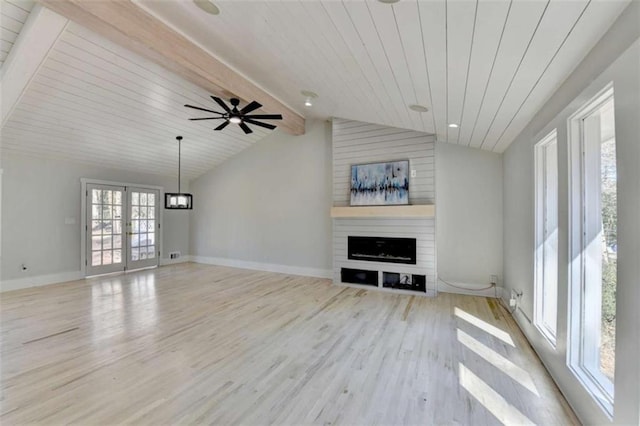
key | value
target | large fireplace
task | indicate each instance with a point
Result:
(382, 249)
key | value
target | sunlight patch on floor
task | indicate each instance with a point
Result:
(490, 399)
(498, 361)
(485, 326)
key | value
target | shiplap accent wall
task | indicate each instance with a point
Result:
(356, 142)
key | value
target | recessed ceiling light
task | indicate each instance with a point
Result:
(418, 108)
(309, 97)
(388, 1)
(207, 6)
(453, 125)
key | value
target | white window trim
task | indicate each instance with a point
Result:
(539, 203)
(599, 386)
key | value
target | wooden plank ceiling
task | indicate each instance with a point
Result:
(13, 15)
(487, 66)
(96, 102)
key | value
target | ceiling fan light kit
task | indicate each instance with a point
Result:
(309, 97)
(418, 108)
(178, 200)
(207, 6)
(240, 117)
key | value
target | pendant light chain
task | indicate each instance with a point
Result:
(179, 156)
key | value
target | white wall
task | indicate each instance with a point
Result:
(611, 60)
(38, 194)
(268, 207)
(469, 218)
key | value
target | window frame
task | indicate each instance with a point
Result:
(540, 216)
(594, 381)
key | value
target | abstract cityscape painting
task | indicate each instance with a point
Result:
(377, 184)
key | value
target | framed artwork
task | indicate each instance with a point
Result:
(380, 184)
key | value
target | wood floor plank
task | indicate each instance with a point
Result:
(189, 343)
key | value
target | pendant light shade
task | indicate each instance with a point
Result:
(178, 200)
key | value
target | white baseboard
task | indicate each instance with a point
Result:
(268, 267)
(469, 289)
(181, 259)
(40, 280)
(62, 277)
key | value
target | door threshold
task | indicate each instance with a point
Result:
(121, 272)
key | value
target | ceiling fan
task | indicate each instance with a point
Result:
(239, 117)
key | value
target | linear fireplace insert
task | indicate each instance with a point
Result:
(382, 249)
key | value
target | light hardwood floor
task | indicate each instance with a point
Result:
(202, 344)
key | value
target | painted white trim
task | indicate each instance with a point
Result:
(267, 267)
(181, 259)
(40, 280)
(114, 183)
(63, 277)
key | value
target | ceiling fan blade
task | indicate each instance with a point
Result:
(207, 118)
(265, 116)
(257, 123)
(221, 103)
(203, 109)
(250, 107)
(246, 128)
(222, 126)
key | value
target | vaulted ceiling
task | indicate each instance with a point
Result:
(485, 65)
(95, 102)
(13, 15)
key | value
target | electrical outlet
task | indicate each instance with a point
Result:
(413, 173)
(174, 255)
(493, 279)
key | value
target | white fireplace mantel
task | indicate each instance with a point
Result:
(421, 210)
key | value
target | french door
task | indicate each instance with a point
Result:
(142, 247)
(122, 228)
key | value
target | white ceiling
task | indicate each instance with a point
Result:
(13, 15)
(487, 65)
(95, 102)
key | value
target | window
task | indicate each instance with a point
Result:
(546, 228)
(593, 228)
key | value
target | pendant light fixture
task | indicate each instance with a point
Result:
(179, 200)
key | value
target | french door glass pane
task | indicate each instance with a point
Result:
(143, 226)
(106, 226)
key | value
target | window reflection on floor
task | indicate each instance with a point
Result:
(490, 399)
(485, 326)
(497, 404)
(124, 304)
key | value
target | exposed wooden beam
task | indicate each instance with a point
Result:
(128, 25)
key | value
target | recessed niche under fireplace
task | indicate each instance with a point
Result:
(359, 276)
(382, 249)
(404, 281)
